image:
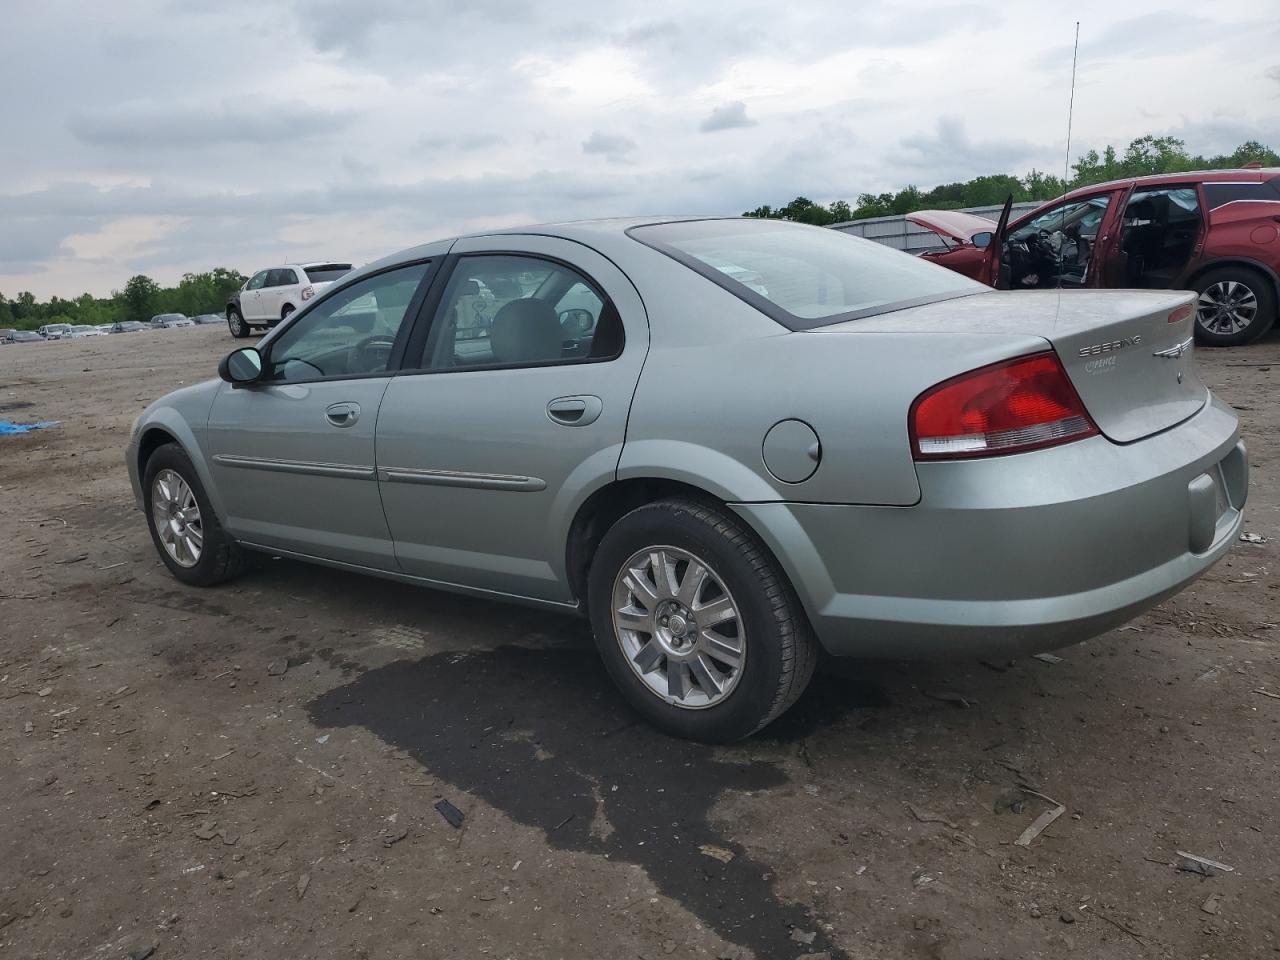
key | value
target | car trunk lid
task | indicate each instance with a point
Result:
(1128, 352)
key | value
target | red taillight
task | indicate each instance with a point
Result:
(308, 293)
(1182, 313)
(1008, 407)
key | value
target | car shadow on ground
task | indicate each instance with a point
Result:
(534, 728)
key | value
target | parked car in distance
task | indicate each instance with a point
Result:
(106, 327)
(166, 321)
(55, 331)
(6, 335)
(26, 336)
(129, 326)
(762, 439)
(269, 296)
(204, 319)
(80, 330)
(1213, 232)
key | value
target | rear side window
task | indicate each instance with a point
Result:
(323, 272)
(1220, 194)
(804, 276)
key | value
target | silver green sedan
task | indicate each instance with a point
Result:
(728, 442)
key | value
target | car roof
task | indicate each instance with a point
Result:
(1249, 175)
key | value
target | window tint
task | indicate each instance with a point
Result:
(321, 272)
(350, 333)
(1218, 194)
(259, 280)
(281, 277)
(804, 276)
(512, 310)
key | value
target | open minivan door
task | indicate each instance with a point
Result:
(990, 272)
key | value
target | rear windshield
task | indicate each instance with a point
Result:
(804, 276)
(322, 272)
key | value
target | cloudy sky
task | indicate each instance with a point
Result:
(161, 136)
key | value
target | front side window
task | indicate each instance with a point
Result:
(349, 333)
(804, 276)
(1055, 248)
(508, 310)
(258, 280)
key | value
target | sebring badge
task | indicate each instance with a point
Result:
(1109, 346)
(1176, 351)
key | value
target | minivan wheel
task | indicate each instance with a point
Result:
(1234, 306)
(696, 623)
(184, 529)
(239, 329)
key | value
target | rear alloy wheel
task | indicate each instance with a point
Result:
(239, 329)
(695, 623)
(183, 526)
(1235, 306)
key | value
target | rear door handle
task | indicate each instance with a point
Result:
(575, 411)
(342, 414)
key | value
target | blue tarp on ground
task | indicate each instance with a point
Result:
(8, 426)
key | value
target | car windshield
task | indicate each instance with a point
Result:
(804, 276)
(322, 272)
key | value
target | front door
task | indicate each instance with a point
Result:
(293, 454)
(520, 405)
(251, 294)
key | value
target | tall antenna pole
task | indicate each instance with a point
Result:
(1071, 106)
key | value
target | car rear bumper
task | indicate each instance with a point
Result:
(1017, 554)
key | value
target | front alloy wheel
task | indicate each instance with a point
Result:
(678, 627)
(176, 516)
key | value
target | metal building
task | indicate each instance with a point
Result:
(899, 233)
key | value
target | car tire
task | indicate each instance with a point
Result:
(1234, 306)
(768, 633)
(235, 322)
(171, 488)
(286, 312)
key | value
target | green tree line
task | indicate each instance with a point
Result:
(141, 299)
(1144, 156)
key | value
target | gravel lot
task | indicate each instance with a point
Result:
(251, 771)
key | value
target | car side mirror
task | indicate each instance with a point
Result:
(241, 366)
(981, 240)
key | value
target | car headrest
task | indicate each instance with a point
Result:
(526, 331)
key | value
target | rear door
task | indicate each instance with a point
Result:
(517, 411)
(293, 454)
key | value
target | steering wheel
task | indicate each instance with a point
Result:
(370, 354)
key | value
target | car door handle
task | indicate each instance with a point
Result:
(575, 411)
(342, 414)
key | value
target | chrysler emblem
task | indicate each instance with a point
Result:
(1176, 351)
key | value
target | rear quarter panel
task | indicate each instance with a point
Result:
(701, 411)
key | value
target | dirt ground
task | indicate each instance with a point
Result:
(252, 771)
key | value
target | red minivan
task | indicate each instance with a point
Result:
(1216, 232)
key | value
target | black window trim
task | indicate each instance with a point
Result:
(426, 334)
(412, 313)
(766, 306)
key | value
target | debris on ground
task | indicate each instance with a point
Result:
(1040, 822)
(950, 696)
(1046, 658)
(716, 853)
(803, 936)
(1268, 693)
(1212, 904)
(1252, 538)
(142, 953)
(304, 881)
(924, 816)
(9, 428)
(391, 837)
(1192, 863)
(1012, 800)
(450, 813)
(1066, 916)
(277, 668)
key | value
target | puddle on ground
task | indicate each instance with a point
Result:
(542, 736)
